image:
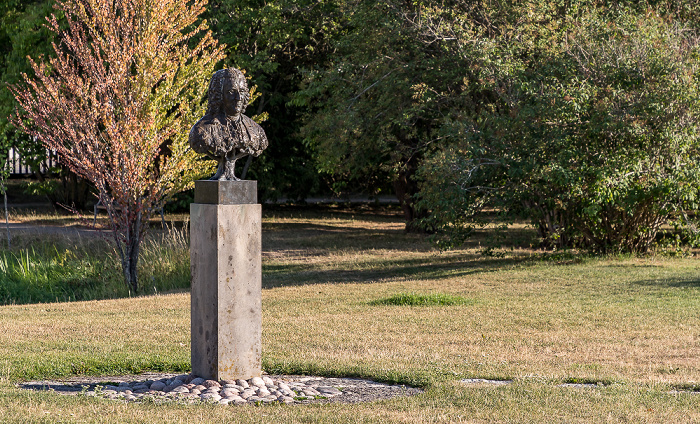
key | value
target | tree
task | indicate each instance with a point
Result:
(376, 107)
(22, 32)
(588, 125)
(117, 102)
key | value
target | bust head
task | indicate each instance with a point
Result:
(228, 93)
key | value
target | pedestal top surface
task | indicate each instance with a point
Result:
(226, 192)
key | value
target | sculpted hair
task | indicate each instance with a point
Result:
(216, 89)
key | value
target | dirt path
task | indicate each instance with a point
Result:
(18, 228)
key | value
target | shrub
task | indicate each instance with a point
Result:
(591, 131)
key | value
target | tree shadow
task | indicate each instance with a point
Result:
(670, 283)
(280, 236)
(432, 268)
(483, 253)
(332, 228)
(295, 227)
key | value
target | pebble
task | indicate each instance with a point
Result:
(229, 392)
(157, 385)
(328, 390)
(210, 396)
(197, 381)
(256, 381)
(189, 388)
(211, 383)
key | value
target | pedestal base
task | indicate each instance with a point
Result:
(225, 255)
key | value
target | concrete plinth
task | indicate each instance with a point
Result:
(225, 261)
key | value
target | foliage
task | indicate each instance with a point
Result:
(273, 41)
(68, 191)
(22, 32)
(117, 101)
(588, 125)
(376, 107)
(579, 115)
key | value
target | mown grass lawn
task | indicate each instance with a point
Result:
(629, 324)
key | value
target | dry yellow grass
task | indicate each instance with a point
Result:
(630, 323)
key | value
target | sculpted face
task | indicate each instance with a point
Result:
(234, 97)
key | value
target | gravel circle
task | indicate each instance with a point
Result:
(187, 388)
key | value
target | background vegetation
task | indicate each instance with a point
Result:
(115, 104)
(579, 115)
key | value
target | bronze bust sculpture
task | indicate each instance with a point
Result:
(224, 133)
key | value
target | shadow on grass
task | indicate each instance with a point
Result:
(280, 236)
(674, 283)
(432, 268)
(326, 239)
(307, 226)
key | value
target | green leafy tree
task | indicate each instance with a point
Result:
(22, 32)
(117, 101)
(376, 108)
(588, 125)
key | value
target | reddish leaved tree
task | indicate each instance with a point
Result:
(117, 102)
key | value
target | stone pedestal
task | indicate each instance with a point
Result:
(225, 261)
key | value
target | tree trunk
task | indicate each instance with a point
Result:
(130, 264)
(405, 188)
(128, 239)
(7, 218)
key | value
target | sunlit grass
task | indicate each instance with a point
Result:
(539, 319)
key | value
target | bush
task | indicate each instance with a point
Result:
(591, 132)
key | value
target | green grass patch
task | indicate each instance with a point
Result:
(53, 271)
(689, 387)
(574, 380)
(415, 299)
(43, 268)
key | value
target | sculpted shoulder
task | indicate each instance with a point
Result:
(256, 136)
(206, 136)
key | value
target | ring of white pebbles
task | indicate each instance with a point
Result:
(257, 390)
